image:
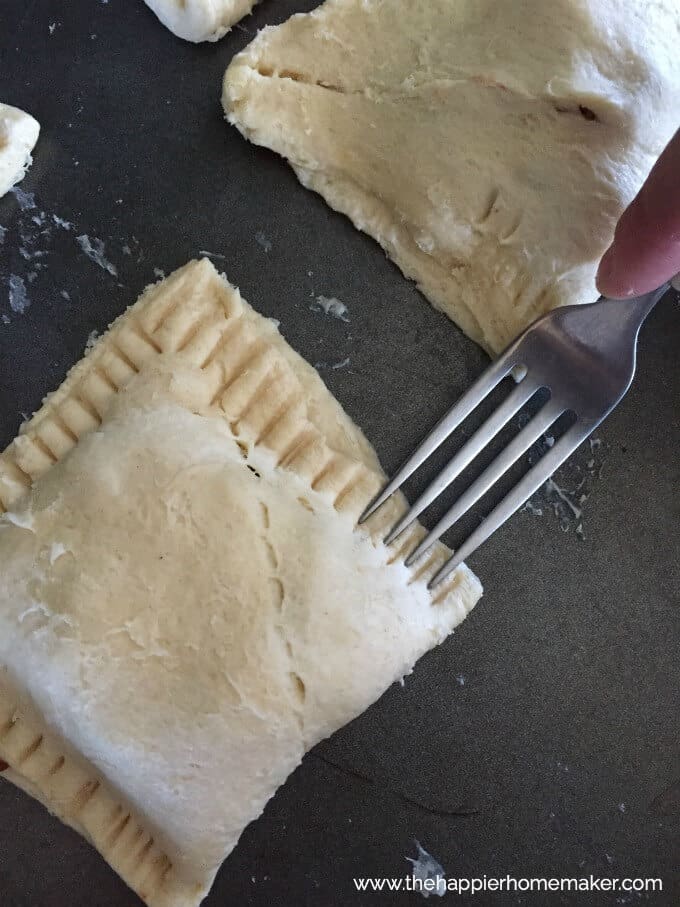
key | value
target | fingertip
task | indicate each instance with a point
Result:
(613, 278)
(606, 274)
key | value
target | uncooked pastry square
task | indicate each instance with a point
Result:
(18, 135)
(187, 604)
(200, 20)
(488, 146)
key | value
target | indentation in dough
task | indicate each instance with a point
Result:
(299, 686)
(503, 238)
(455, 580)
(63, 426)
(44, 448)
(88, 407)
(8, 726)
(265, 514)
(405, 542)
(486, 82)
(262, 389)
(569, 105)
(256, 350)
(279, 591)
(271, 554)
(56, 767)
(105, 377)
(191, 332)
(490, 205)
(145, 337)
(278, 417)
(222, 341)
(424, 567)
(83, 796)
(139, 831)
(123, 356)
(30, 750)
(17, 473)
(172, 301)
(165, 865)
(291, 74)
(271, 551)
(144, 852)
(347, 489)
(294, 75)
(321, 475)
(118, 830)
(299, 443)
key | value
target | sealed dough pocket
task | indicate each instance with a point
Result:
(187, 602)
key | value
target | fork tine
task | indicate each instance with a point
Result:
(524, 390)
(533, 430)
(527, 486)
(460, 410)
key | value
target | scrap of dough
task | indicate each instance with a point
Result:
(200, 20)
(187, 604)
(489, 147)
(18, 135)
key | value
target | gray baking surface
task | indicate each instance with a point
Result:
(551, 717)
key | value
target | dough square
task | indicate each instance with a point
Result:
(18, 135)
(200, 20)
(187, 603)
(488, 146)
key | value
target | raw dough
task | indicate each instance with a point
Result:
(186, 603)
(200, 20)
(489, 147)
(18, 135)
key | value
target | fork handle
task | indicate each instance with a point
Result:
(638, 308)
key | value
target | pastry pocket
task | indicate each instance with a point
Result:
(187, 603)
(488, 147)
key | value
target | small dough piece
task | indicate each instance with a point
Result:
(489, 147)
(18, 135)
(187, 604)
(200, 20)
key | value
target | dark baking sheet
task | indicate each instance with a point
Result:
(551, 717)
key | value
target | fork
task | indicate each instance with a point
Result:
(584, 357)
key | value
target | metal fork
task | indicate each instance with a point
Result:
(584, 356)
